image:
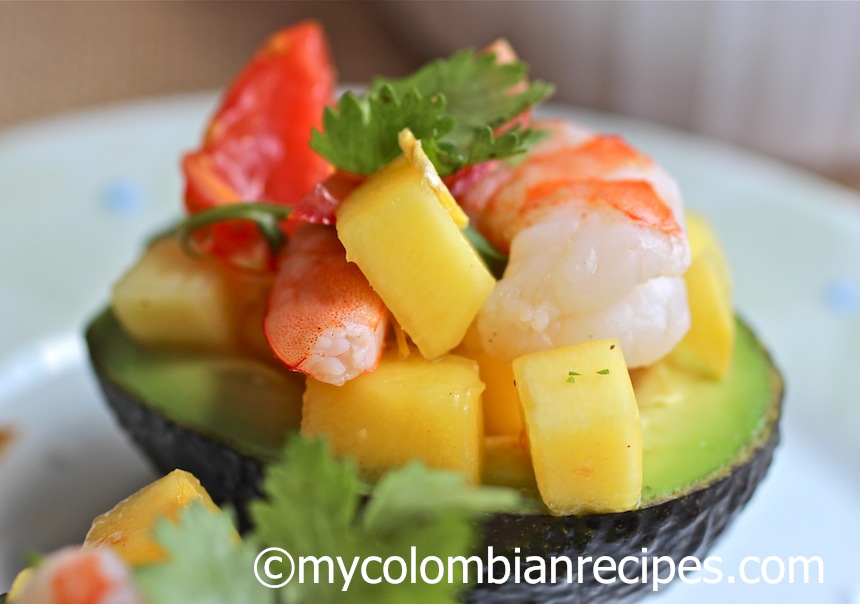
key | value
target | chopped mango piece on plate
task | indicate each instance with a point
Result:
(583, 427)
(409, 408)
(402, 228)
(708, 345)
(127, 528)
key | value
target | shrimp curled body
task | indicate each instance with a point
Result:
(596, 244)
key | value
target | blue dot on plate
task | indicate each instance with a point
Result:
(124, 197)
(842, 295)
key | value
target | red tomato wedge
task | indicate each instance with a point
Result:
(257, 146)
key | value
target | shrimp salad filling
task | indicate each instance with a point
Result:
(341, 250)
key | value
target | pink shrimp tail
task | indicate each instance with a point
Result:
(324, 319)
(81, 576)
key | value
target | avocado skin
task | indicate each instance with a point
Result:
(230, 478)
(685, 526)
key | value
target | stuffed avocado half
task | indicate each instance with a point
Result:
(425, 273)
(695, 430)
(706, 446)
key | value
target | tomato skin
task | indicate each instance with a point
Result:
(257, 146)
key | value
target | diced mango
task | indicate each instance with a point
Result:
(127, 528)
(20, 583)
(703, 239)
(409, 408)
(399, 228)
(501, 401)
(507, 463)
(174, 300)
(249, 295)
(415, 156)
(708, 345)
(583, 427)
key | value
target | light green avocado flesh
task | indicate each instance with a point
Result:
(244, 402)
(694, 428)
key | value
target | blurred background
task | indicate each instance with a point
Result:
(779, 78)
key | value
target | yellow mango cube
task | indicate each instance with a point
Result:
(402, 228)
(703, 240)
(501, 401)
(128, 527)
(19, 584)
(408, 409)
(708, 345)
(171, 299)
(583, 427)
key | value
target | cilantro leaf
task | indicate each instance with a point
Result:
(448, 158)
(452, 105)
(476, 88)
(415, 492)
(311, 499)
(314, 508)
(361, 133)
(206, 566)
(493, 258)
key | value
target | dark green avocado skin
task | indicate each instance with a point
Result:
(231, 478)
(684, 526)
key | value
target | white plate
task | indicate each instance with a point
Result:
(80, 194)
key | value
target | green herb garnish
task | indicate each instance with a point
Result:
(315, 506)
(206, 564)
(492, 257)
(33, 558)
(265, 215)
(603, 372)
(360, 135)
(476, 88)
(452, 105)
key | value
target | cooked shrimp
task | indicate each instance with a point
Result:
(80, 576)
(597, 248)
(324, 319)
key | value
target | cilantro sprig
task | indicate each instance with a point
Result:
(477, 89)
(206, 565)
(316, 505)
(453, 105)
(266, 217)
(360, 135)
